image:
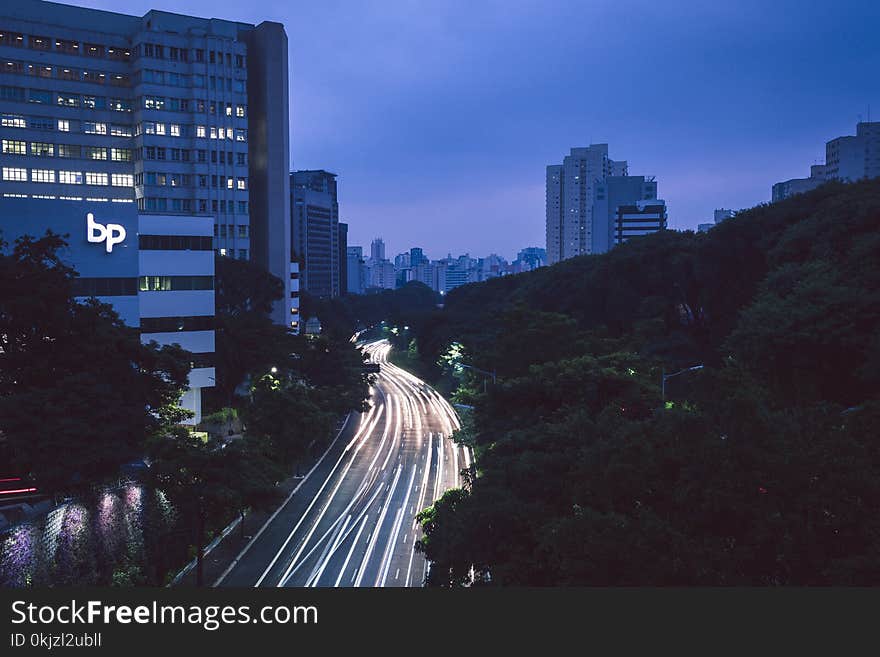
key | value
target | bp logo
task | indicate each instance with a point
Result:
(97, 233)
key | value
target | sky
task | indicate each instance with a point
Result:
(440, 116)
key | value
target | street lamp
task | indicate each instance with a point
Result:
(669, 376)
(492, 374)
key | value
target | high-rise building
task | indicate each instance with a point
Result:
(356, 270)
(416, 256)
(847, 159)
(377, 250)
(342, 259)
(640, 218)
(315, 230)
(569, 200)
(530, 258)
(610, 194)
(152, 140)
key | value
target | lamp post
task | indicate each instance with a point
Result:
(492, 374)
(669, 376)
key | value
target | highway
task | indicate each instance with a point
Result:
(352, 520)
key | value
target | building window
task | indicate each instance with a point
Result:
(174, 130)
(120, 154)
(239, 111)
(92, 128)
(42, 175)
(37, 96)
(69, 150)
(11, 147)
(42, 149)
(243, 231)
(241, 135)
(14, 174)
(96, 178)
(175, 283)
(122, 180)
(117, 130)
(93, 50)
(94, 153)
(39, 43)
(13, 121)
(70, 177)
(241, 183)
(200, 131)
(68, 100)
(154, 102)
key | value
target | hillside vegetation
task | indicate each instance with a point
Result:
(761, 468)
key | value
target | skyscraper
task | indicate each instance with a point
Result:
(569, 200)
(315, 232)
(377, 250)
(342, 259)
(163, 131)
(355, 270)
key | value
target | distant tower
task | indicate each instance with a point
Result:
(377, 250)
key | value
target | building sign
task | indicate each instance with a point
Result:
(110, 233)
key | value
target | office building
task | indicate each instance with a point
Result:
(847, 159)
(640, 218)
(610, 194)
(569, 200)
(151, 141)
(377, 250)
(355, 270)
(315, 230)
(342, 259)
(416, 256)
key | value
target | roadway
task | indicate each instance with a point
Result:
(352, 520)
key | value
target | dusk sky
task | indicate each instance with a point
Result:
(440, 117)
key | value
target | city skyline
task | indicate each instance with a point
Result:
(448, 125)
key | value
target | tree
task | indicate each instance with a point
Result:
(79, 392)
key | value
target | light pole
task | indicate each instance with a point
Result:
(492, 374)
(669, 376)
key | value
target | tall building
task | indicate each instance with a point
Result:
(639, 218)
(315, 230)
(356, 270)
(610, 194)
(377, 250)
(569, 200)
(847, 159)
(342, 259)
(530, 258)
(152, 141)
(416, 256)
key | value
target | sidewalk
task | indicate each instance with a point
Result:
(221, 553)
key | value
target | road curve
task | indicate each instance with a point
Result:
(352, 522)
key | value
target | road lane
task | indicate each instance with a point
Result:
(354, 525)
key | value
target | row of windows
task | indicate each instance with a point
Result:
(184, 155)
(169, 324)
(69, 151)
(64, 99)
(174, 283)
(172, 79)
(161, 204)
(175, 243)
(228, 230)
(230, 253)
(66, 73)
(183, 130)
(104, 287)
(15, 174)
(8, 120)
(162, 179)
(159, 51)
(35, 42)
(52, 197)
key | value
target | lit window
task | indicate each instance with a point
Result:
(160, 128)
(214, 132)
(229, 183)
(229, 134)
(122, 180)
(239, 111)
(11, 173)
(70, 177)
(63, 125)
(92, 128)
(42, 175)
(42, 149)
(11, 147)
(120, 154)
(95, 178)
(13, 121)
(242, 183)
(175, 130)
(200, 131)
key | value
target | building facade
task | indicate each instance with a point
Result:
(640, 218)
(570, 188)
(161, 132)
(315, 230)
(610, 194)
(847, 159)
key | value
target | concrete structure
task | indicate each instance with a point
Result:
(847, 159)
(569, 200)
(720, 215)
(416, 256)
(180, 115)
(377, 250)
(355, 270)
(342, 259)
(640, 218)
(315, 222)
(610, 194)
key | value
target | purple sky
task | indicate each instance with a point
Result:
(440, 116)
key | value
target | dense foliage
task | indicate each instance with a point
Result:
(763, 467)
